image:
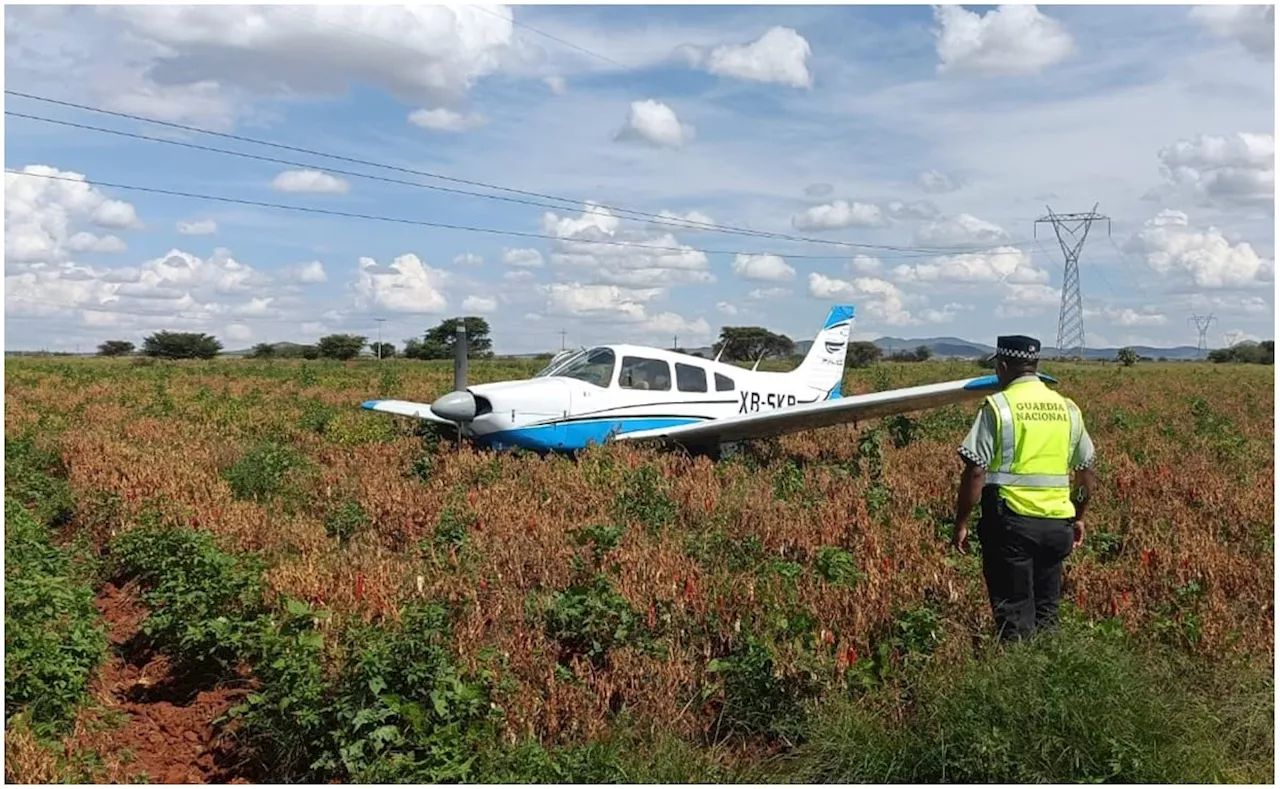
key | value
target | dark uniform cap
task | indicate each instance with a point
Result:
(1018, 346)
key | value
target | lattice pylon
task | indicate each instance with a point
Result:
(1071, 342)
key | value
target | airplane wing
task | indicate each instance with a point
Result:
(824, 413)
(405, 408)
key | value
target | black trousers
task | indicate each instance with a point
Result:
(1022, 560)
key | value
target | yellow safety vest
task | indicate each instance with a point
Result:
(1037, 430)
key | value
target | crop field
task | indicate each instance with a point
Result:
(227, 571)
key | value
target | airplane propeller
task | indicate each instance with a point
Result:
(458, 406)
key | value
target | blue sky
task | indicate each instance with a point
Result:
(941, 133)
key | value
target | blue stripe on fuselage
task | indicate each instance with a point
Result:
(575, 435)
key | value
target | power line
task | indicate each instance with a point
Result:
(553, 38)
(573, 204)
(419, 222)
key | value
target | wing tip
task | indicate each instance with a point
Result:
(371, 405)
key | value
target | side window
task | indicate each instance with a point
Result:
(690, 378)
(641, 373)
(723, 383)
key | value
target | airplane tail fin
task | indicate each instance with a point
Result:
(823, 365)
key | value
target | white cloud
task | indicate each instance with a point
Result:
(935, 182)
(675, 221)
(479, 304)
(1127, 316)
(444, 119)
(865, 264)
(818, 190)
(839, 214)
(960, 230)
(309, 273)
(768, 294)
(199, 227)
(1002, 264)
(916, 209)
(522, 258)
(556, 84)
(85, 241)
(178, 286)
(407, 285)
(1254, 26)
(310, 182)
(468, 259)
(779, 56)
(41, 214)
(416, 53)
(726, 308)
(1226, 170)
(1205, 259)
(641, 259)
(877, 299)
(657, 124)
(239, 332)
(1012, 40)
(1027, 300)
(763, 268)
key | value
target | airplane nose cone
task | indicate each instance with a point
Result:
(455, 406)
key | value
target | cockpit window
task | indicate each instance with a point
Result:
(641, 373)
(723, 383)
(594, 366)
(560, 360)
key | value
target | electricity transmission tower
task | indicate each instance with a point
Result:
(1202, 326)
(379, 320)
(1231, 337)
(1071, 231)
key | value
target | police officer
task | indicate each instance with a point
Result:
(1018, 459)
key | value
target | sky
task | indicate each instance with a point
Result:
(636, 173)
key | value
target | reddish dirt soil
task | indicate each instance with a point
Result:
(167, 724)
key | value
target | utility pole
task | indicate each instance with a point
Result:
(1071, 313)
(1202, 327)
(675, 342)
(379, 320)
(562, 333)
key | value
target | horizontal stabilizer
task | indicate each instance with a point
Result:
(826, 413)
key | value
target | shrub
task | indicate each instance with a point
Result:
(53, 636)
(263, 471)
(204, 603)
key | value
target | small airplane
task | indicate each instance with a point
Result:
(624, 392)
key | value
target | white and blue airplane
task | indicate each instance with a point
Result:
(629, 392)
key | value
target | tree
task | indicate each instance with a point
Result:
(181, 345)
(1127, 356)
(748, 343)
(438, 343)
(920, 354)
(341, 346)
(263, 350)
(1246, 353)
(115, 348)
(863, 354)
(387, 351)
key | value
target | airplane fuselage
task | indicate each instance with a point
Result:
(614, 389)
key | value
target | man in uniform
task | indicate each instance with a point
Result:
(1018, 456)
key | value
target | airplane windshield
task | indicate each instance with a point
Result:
(559, 360)
(594, 366)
